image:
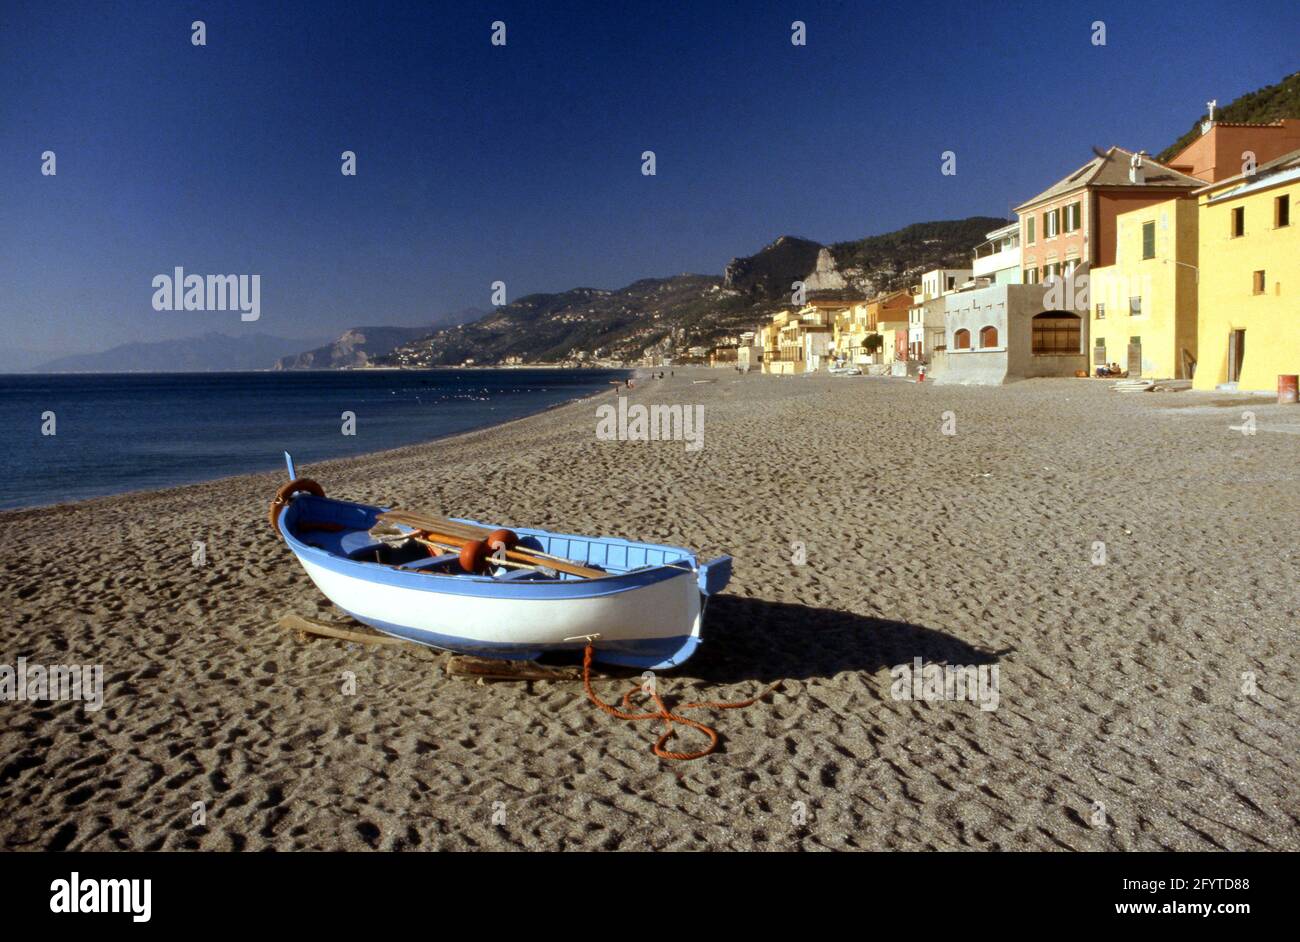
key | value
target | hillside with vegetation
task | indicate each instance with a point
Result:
(1258, 107)
(668, 316)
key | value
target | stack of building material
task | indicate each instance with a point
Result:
(1133, 385)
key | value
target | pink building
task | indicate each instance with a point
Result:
(1073, 222)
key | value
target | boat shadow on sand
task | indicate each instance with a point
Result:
(754, 639)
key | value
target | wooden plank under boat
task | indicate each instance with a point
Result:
(645, 608)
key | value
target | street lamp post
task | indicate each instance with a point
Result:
(1168, 261)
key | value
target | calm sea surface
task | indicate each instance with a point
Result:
(127, 432)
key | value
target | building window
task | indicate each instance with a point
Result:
(1029, 231)
(961, 339)
(988, 336)
(1073, 217)
(1282, 211)
(1258, 282)
(952, 282)
(1239, 222)
(1149, 239)
(1135, 306)
(1056, 333)
(1031, 276)
(1101, 312)
(1051, 223)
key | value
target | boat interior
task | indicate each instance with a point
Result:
(342, 528)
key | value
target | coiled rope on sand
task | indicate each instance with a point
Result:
(665, 714)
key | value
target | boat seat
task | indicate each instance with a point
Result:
(353, 544)
(358, 544)
(431, 561)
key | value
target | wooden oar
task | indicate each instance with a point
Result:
(435, 526)
(433, 522)
(494, 560)
(425, 521)
(522, 556)
(464, 530)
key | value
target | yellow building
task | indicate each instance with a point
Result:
(1143, 308)
(767, 338)
(851, 330)
(798, 342)
(1250, 278)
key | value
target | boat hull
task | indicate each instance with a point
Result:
(646, 613)
(655, 626)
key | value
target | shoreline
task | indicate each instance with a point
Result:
(864, 538)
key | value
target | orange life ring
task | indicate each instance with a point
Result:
(286, 491)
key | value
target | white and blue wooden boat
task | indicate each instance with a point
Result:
(644, 611)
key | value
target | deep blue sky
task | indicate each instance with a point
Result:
(522, 163)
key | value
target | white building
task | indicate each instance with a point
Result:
(749, 355)
(997, 258)
(925, 318)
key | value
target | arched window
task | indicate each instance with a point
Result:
(988, 336)
(961, 339)
(1057, 333)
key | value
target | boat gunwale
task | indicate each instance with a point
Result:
(486, 586)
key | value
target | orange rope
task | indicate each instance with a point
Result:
(664, 713)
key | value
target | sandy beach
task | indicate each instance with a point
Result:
(1147, 702)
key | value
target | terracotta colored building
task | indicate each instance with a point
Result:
(1221, 150)
(888, 309)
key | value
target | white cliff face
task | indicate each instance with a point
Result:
(825, 277)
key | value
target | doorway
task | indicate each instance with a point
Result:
(1236, 354)
(1135, 356)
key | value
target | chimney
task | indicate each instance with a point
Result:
(1136, 172)
(1209, 121)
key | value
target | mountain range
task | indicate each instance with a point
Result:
(667, 316)
(214, 352)
(210, 351)
(360, 346)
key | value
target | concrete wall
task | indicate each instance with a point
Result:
(969, 368)
(1010, 309)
